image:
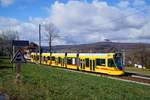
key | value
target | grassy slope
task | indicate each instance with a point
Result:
(42, 82)
(138, 70)
(5, 63)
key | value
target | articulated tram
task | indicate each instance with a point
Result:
(107, 63)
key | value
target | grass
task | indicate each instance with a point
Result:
(5, 63)
(138, 70)
(40, 82)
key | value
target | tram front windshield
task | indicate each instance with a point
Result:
(118, 61)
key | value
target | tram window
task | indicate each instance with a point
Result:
(90, 64)
(69, 61)
(111, 63)
(56, 60)
(73, 61)
(37, 57)
(59, 60)
(33, 57)
(81, 62)
(48, 57)
(93, 64)
(62, 64)
(87, 62)
(100, 62)
(44, 58)
(53, 58)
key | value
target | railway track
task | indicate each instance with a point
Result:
(136, 77)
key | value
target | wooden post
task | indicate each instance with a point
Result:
(18, 70)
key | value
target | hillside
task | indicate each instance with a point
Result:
(97, 47)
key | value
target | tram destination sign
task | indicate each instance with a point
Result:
(20, 43)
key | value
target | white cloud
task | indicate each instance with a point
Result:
(82, 22)
(8, 21)
(6, 2)
(86, 22)
(26, 30)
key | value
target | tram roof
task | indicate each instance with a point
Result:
(80, 54)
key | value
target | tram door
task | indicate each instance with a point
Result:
(62, 62)
(59, 61)
(92, 65)
(88, 64)
(82, 63)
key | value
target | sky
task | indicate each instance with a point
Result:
(78, 21)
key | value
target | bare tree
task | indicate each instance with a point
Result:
(141, 55)
(9, 35)
(52, 34)
(5, 40)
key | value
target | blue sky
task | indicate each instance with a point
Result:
(98, 19)
(23, 9)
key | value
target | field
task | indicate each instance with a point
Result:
(39, 82)
(138, 70)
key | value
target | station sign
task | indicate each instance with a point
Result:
(18, 58)
(20, 43)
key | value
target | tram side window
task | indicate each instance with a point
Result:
(73, 61)
(33, 57)
(100, 62)
(87, 62)
(53, 58)
(59, 60)
(37, 57)
(69, 61)
(48, 58)
(44, 58)
(111, 63)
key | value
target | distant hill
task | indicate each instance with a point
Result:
(97, 47)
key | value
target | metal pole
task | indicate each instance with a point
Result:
(124, 57)
(50, 47)
(40, 43)
(13, 49)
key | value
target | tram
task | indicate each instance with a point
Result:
(106, 63)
